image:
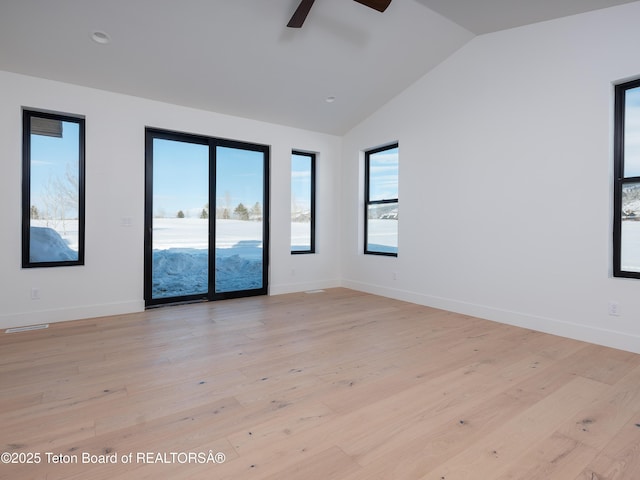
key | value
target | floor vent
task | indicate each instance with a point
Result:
(27, 329)
(314, 291)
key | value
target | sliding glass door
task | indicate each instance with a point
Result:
(206, 218)
(239, 220)
(179, 233)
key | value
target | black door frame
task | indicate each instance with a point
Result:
(156, 133)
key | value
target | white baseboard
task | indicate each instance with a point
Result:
(302, 287)
(563, 328)
(65, 314)
(599, 336)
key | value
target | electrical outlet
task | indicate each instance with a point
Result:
(614, 309)
(35, 293)
(395, 275)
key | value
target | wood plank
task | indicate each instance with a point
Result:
(601, 421)
(557, 457)
(500, 449)
(620, 459)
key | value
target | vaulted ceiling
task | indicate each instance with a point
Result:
(237, 57)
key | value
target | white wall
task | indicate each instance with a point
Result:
(506, 181)
(111, 282)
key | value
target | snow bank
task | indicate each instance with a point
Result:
(181, 260)
(46, 245)
(185, 271)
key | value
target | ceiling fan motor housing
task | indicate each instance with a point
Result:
(300, 15)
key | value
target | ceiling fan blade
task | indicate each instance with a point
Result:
(379, 5)
(300, 14)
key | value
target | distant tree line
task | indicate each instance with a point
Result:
(240, 212)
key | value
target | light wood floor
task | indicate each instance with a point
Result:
(337, 385)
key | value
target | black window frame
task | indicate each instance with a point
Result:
(312, 244)
(27, 115)
(619, 176)
(368, 202)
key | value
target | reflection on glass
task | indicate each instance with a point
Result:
(239, 229)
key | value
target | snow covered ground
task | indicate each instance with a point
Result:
(68, 230)
(46, 245)
(181, 258)
(631, 246)
(383, 235)
(300, 235)
(53, 242)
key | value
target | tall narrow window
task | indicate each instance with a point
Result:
(381, 201)
(52, 189)
(626, 234)
(303, 169)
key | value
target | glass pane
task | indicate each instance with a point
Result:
(382, 228)
(630, 244)
(632, 133)
(301, 202)
(54, 196)
(383, 175)
(180, 219)
(240, 202)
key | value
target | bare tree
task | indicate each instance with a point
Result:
(61, 198)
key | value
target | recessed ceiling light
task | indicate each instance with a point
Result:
(100, 37)
(330, 99)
